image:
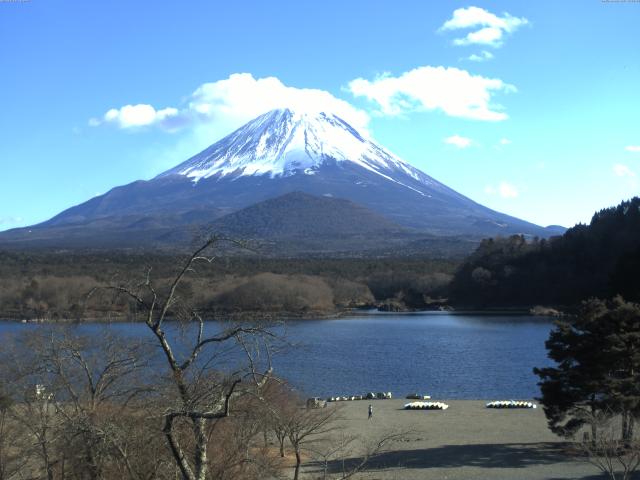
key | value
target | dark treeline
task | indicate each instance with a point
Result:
(55, 285)
(601, 259)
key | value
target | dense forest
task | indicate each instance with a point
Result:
(601, 259)
(55, 285)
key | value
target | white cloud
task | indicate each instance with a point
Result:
(486, 36)
(227, 104)
(472, 17)
(482, 57)
(632, 148)
(623, 171)
(504, 189)
(244, 97)
(489, 29)
(140, 115)
(458, 141)
(455, 92)
(505, 141)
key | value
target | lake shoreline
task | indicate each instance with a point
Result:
(293, 316)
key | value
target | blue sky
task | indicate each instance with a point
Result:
(531, 108)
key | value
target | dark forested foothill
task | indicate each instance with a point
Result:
(601, 259)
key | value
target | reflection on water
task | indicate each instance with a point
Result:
(444, 355)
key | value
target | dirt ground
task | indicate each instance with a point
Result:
(467, 441)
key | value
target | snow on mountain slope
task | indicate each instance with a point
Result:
(271, 157)
(284, 142)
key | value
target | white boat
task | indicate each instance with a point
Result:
(426, 406)
(511, 404)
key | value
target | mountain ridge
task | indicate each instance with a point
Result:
(277, 153)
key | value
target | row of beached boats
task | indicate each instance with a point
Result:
(367, 396)
(494, 404)
(377, 396)
(418, 405)
(510, 404)
(426, 406)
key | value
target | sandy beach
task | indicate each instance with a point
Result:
(467, 441)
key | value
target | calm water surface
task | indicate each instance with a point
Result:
(440, 354)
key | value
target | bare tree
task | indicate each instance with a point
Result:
(202, 394)
(40, 420)
(306, 427)
(96, 380)
(31, 414)
(75, 400)
(103, 406)
(278, 401)
(240, 452)
(12, 440)
(613, 454)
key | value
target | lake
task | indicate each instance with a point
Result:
(445, 355)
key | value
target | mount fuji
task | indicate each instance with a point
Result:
(318, 157)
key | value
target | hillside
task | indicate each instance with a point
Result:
(297, 223)
(300, 215)
(601, 259)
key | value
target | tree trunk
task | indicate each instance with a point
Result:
(47, 462)
(627, 427)
(594, 426)
(199, 428)
(296, 473)
(176, 451)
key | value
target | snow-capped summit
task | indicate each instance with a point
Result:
(286, 142)
(324, 177)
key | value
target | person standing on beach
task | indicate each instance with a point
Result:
(370, 411)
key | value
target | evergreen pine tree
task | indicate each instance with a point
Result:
(598, 368)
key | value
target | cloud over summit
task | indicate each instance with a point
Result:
(221, 106)
(233, 101)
